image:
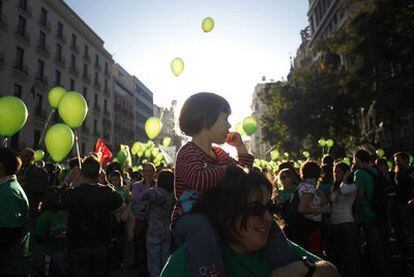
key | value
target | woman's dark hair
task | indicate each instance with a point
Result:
(113, 166)
(310, 169)
(225, 203)
(166, 180)
(381, 162)
(117, 173)
(136, 175)
(10, 161)
(326, 174)
(363, 156)
(91, 167)
(200, 111)
(344, 168)
(327, 159)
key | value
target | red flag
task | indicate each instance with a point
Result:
(103, 152)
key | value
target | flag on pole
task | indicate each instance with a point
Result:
(103, 152)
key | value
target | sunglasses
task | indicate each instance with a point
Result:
(258, 209)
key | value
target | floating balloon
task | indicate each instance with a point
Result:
(306, 154)
(322, 142)
(208, 24)
(73, 109)
(249, 125)
(153, 127)
(155, 152)
(166, 141)
(411, 160)
(329, 142)
(239, 129)
(274, 154)
(347, 160)
(177, 66)
(38, 155)
(55, 95)
(13, 115)
(380, 152)
(137, 147)
(286, 154)
(59, 141)
(140, 153)
(148, 153)
(389, 164)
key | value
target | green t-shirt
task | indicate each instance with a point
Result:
(236, 264)
(326, 189)
(365, 182)
(286, 194)
(14, 213)
(51, 227)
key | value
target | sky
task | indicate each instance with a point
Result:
(250, 39)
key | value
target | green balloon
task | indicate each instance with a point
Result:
(153, 127)
(59, 141)
(13, 115)
(148, 153)
(274, 154)
(239, 129)
(286, 154)
(55, 95)
(329, 142)
(306, 154)
(249, 125)
(159, 156)
(208, 24)
(177, 66)
(380, 152)
(155, 152)
(38, 155)
(166, 141)
(136, 147)
(347, 160)
(73, 109)
(389, 163)
(411, 159)
(140, 153)
(122, 156)
(322, 142)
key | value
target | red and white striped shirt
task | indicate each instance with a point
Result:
(195, 169)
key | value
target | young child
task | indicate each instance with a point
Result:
(199, 168)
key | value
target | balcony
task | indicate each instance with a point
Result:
(106, 122)
(23, 36)
(107, 113)
(106, 92)
(86, 78)
(26, 10)
(107, 73)
(74, 48)
(61, 37)
(73, 69)
(3, 22)
(84, 129)
(41, 80)
(21, 70)
(87, 57)
(45, 24)
(43, 49)
(97, 85)
(60, 61)
(98, 67)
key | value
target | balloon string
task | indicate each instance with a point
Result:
(39, 143)
(4, 144)
(77, 147)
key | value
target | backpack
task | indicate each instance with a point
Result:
(378, 202)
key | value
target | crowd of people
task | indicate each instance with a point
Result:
(210, 215)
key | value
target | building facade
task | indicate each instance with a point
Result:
(143, 108)
(43, 44)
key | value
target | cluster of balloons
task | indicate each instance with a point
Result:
(147, 152)
(177, 64)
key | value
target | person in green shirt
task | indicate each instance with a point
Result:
(242, 211)
(15, 257)
(374, 227)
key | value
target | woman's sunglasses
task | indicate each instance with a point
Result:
(258, 209)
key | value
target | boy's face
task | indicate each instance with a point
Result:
(219, 130)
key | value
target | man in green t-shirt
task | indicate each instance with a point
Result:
(374, 226)
(15, 258)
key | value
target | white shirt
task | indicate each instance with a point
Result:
(342, 201)
(309, 187)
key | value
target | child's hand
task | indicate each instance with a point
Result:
(234, 139)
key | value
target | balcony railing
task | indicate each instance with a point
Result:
(98, 66)
(106, 91)
(3, 22)
(87, 57)
(26, 10)
(61, 37)
(42, 79)
(74, 48)
(43, 49)
(60, 61)
(23, 35)
(74, 70)
(45, 24)
(22, 68)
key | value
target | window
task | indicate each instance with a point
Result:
(59, 51)
(43, 16)
(19, 58)
(96, 77)
(72, 60)
(96, 100)
(42, 40)
(17, 91)
(38, 104)
(21, 25)
(95, 125)
(36, 137)
(85, 93)
(85, 70)
(106, 67)
(60, 29)
(40, 69)
(86, 50)
(23, 4)
(57, 77)
(97, 60)
(105, 105)
(72, 84)
(73, 43)
(106, 85)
